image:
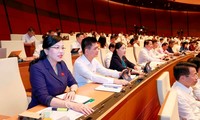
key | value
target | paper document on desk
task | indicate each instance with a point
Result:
(61, 115)
(77, 99)
(133, 76)
(109, 87)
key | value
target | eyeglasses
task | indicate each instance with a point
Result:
(57, 47)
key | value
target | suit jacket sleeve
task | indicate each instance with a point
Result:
(39, 86)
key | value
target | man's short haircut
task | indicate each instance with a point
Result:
(196, 61)
(182, 68)
(31, 29)
(112, 36)
(111, 45)
(78, 34)
(87, 43)
(171, 41)
(164, 44)
(146, 42)
(154, 41)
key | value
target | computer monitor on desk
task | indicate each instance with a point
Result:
(14, 53)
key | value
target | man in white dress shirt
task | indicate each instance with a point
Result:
(146, 55)
(77, 43)
(88, 69)
(29, 37)
(109, 55)
(186, 76)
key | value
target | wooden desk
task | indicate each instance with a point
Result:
(140, 102)
(3, 117)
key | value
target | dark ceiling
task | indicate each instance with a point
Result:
(161, 4)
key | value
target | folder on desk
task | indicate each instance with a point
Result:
(109, 87)
(77, 99)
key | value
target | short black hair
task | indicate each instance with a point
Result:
(78, 34)
(182, 68)
(102, 41)
(196, 61)
(146, 42)
(154, 41)
(164, 44)
(31, 29)
(111, 45)
(87, 43)
(171, 41)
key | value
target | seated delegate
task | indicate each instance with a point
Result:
(119, 61)
(49, 77)
(88, 69)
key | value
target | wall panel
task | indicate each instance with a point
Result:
(163, 22)
(148, 20)
(102, 16)
(4, 31)
(21, 15)
(86, 15)
(69, 17)
(179, 21)
(132, 14)
(48, 15)
(117, 17)
(193, 20)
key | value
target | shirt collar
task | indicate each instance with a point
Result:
(85, 59)
(187, 90)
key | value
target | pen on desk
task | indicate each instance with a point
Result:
(88, 101)
(59, 109)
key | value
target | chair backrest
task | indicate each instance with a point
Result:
(13, 98)
(129, 55)
(163, 86)
(136, 52)
(99, 57)
(67, 58)
(3, 53)
(39, 37)
(103, 52)
(169, 109)
(16, 37)
(13, 46)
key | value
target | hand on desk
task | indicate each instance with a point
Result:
(80, 107)
(121, 82)
(70, 96)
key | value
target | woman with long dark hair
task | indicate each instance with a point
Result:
(119, 61)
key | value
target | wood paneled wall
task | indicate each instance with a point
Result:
(85, 15)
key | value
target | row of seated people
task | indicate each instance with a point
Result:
(128, 40)
(52, 54)
(87, 66)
